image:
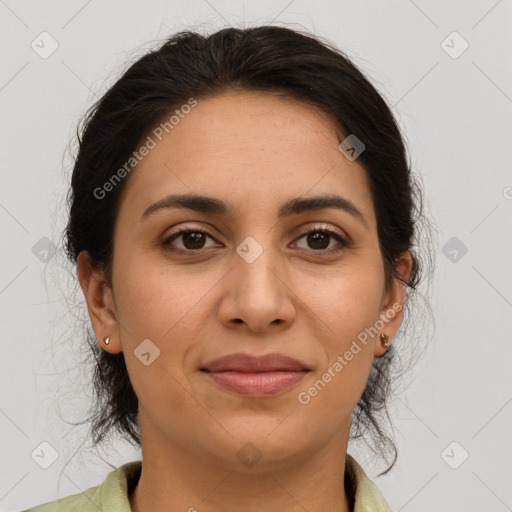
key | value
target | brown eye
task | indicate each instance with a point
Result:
(320, 239)
(192, 240)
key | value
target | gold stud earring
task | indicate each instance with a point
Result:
(384, 340)
(107, 340)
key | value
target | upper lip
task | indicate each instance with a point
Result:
(249, 363)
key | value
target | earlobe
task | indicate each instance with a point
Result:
(98, 296)
(382, 344)
(392, 311)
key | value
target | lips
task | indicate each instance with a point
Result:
(252, 364)
(255, 377)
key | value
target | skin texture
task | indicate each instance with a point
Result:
(255, 151)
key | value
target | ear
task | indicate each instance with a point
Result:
(393, 303)
(100, 304)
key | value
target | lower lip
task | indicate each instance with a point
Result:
(258, 384)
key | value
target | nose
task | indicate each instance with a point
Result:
(256, 296)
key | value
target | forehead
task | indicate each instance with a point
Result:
(251, 149)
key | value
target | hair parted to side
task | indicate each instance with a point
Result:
(270, 59)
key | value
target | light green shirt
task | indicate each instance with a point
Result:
(112, 494)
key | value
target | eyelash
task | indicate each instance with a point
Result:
(331, 232)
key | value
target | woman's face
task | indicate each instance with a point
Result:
(247, 280)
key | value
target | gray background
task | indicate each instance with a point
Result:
(456, 113)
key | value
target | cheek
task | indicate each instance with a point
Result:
(161, 304)
(346, 307)
(346, 300)
(163, 308)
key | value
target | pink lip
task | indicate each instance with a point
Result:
(259, 384)
(254, 376)
(248, 363)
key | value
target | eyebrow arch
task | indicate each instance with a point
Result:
(295, 206)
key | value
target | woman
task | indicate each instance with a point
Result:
(242, 220)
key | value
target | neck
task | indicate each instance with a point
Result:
(177, 479)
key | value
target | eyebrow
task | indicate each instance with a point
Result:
(295, 206)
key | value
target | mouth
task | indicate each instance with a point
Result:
(254, 376)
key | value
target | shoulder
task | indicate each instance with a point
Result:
(110, 496)
(365, 494)
(83, 501)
